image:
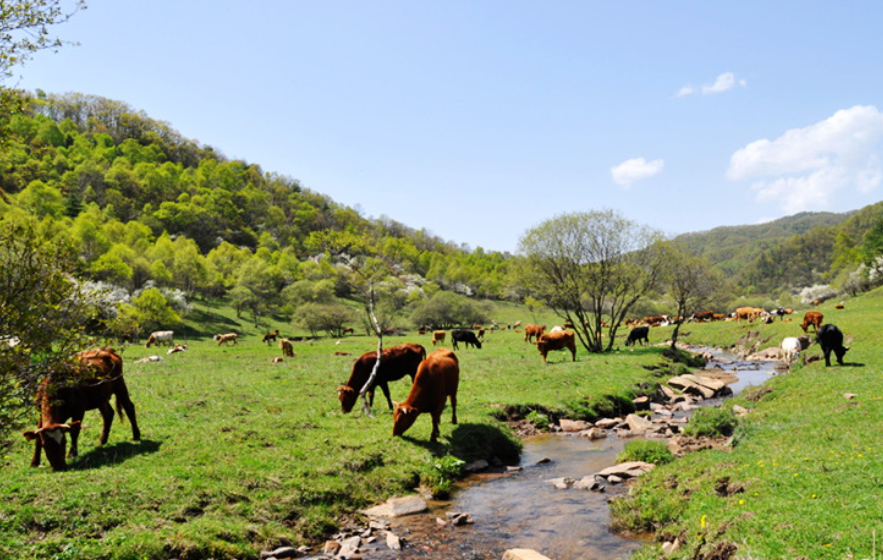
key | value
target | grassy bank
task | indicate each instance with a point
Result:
(240, 454)
(806, 458)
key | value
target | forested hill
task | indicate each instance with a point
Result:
(800, 250)
(114, 179)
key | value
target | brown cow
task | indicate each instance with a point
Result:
(271, 337)
(813, 318)
(438, 337)
(556, 341)
(531, 331)
(438, 377)
(99, 376)
(397, 362)
(287, 348)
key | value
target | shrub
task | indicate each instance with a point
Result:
(712, 422)
(649, 451)
(538, 419)
(440, 475)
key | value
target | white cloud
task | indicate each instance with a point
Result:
(805, 167)
(722, 83)
(635, 169)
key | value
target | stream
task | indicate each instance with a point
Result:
(524, 510)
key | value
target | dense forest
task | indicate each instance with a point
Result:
(146, 209)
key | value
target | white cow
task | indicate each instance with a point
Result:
(792, 346)
(161, 337)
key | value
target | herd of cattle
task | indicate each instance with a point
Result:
(434, 377)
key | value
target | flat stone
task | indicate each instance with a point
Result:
(513, 469)
(593, 433)
(572, 426)
(523, 554)
(397, 507)
(626, 469)
(587, 483)
(607, 423)
(393, 542)
(638, 423)
(280, 553)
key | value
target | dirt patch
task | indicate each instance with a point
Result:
(721, 551)
(681, 445)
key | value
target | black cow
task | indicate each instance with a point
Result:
(465, 336)
(638, 334)
(830, 338)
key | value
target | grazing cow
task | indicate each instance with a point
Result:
(813, 318)
(747, 313)
(830, 338)
(438, 337)
(225, 338)
(349, 330)
(791, 346)
(396, 363)
(702, 316)
(160, 337)
(531, 331)
(481, 334)
(99, 376)
(466, 337)
(556, 341)
(638, 334)
(271, 337)
(437, 379)
(287, 348)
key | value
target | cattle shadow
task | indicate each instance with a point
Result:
(107, 455)
(471, 442)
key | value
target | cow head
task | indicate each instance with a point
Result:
(347, 396)
(840, 351)
(403, 417)
(53, 441)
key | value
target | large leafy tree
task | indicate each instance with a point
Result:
(42, 312)
(591, 268)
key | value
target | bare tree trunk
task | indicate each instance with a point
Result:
(379, 333)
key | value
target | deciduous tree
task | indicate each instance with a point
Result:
(591, 266)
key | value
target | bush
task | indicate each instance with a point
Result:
(538, 419)
(712, 422)
(440, 475)
(649, 451)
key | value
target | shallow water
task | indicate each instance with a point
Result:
(524, 510)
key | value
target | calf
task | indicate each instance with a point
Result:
(225, 338)
(271, 337)
(396, 363)
(466, 337)
(813, 318)
(830, 338)
(160, 337)
(638, 334)
(438, 377)
(531, 331)
(438, 337)
(66, 395)
(287, 348)
(556, 341)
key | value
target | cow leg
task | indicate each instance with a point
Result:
(106, 421)
(827, 357)
(454, 408)
(38, 448)
(385, 388)
(436, 420)
(127, 405)
(75, 424)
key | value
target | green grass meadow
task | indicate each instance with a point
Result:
(810, 460)
(239, 454)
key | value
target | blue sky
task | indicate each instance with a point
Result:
(479, 119)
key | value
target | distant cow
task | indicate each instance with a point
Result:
(638, 334)
(531, 331)
(66, 395)
(225, 338)
(438, 337)
(271, 337)
(466, 337)
(556, 341)
(813, 318)
(396, 362)
(287, 348)
(177, 348)
(160, 337)
(437, 379)
(830, 338)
